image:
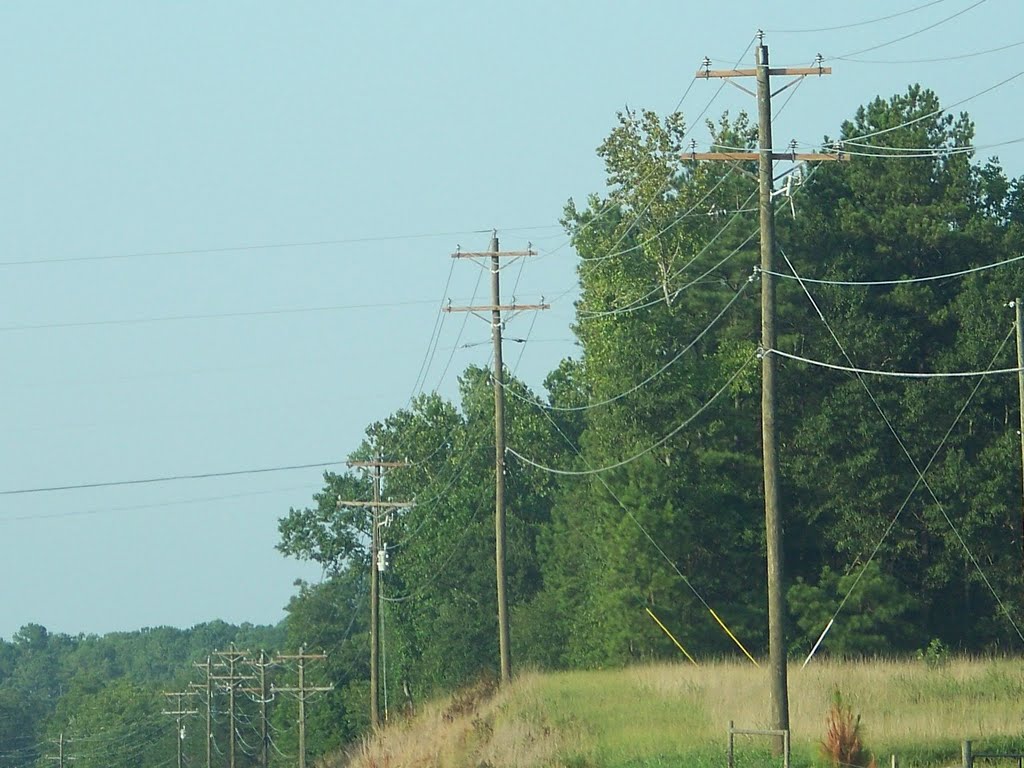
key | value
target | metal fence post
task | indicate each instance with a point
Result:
(968, 756)
(731, 761)
(785, 748)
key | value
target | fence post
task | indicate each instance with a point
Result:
(968, 756)
(731, 758)
(894, 762)
(785, 748)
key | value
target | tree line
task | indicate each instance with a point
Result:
(634, 477)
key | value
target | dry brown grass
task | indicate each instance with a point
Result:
(614, 717)
(470, 729)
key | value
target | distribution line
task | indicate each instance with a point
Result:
(911, 153)
(672, 564)
(440, 569)
(607, 206)
(209, 316)
(937, 112)
(435, 337)
(636, 304)
(896, 374)
(650, 378)
(910, 458)
(912, 34)
(902, 281)
(688, 214)
(405, 445)
(842, 146)
(668, 181)
(939, 60)
(157, 505)
(169, 478)
(645, 451)
(903, 506)
(944, 150)
(851, 25)
(264, 246)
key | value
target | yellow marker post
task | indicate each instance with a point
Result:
(734, 638)
(665, 630)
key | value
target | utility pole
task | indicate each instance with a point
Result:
(301, 691)
(772, 515)
(1019, 312)
(207, 666)
(178, 712)
(378, 562)
(60, 758)
(230, 682)
(494, 255)
(263, 691)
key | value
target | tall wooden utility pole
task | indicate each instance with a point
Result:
(60, 758)
(179, 712)
(301, 691)
(772, 516)
(262, 690)
(377, 565)
(1019, 312)
(230, 660)
(206, 666)
(495, 308)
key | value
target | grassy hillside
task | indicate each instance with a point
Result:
(669, 715)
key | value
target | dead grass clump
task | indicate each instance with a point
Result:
(842, 745)
(469, 699)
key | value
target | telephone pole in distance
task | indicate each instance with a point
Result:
(179, 712)
(377, 565)
(301, 691)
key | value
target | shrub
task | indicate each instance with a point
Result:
(842, 745)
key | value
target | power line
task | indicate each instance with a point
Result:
(169, 478)
(157, 505)
(912, 34)
(938, 60)
(894, 374)
(211, 316)
(901, 281)
(667, 181)
(851, 25)
(651, 539)
(650, 378)
(645, 451)
(263, 246)
(906, 452)
(936, 112)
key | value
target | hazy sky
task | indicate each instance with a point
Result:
(182, 178)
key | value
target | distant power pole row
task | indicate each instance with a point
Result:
(60, 758)
(235, 672)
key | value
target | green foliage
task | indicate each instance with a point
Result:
(659, 418)
(935, 654)
(878, 617)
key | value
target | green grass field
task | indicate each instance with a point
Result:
(677, 715)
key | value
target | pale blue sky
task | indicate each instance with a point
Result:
(144, 128)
